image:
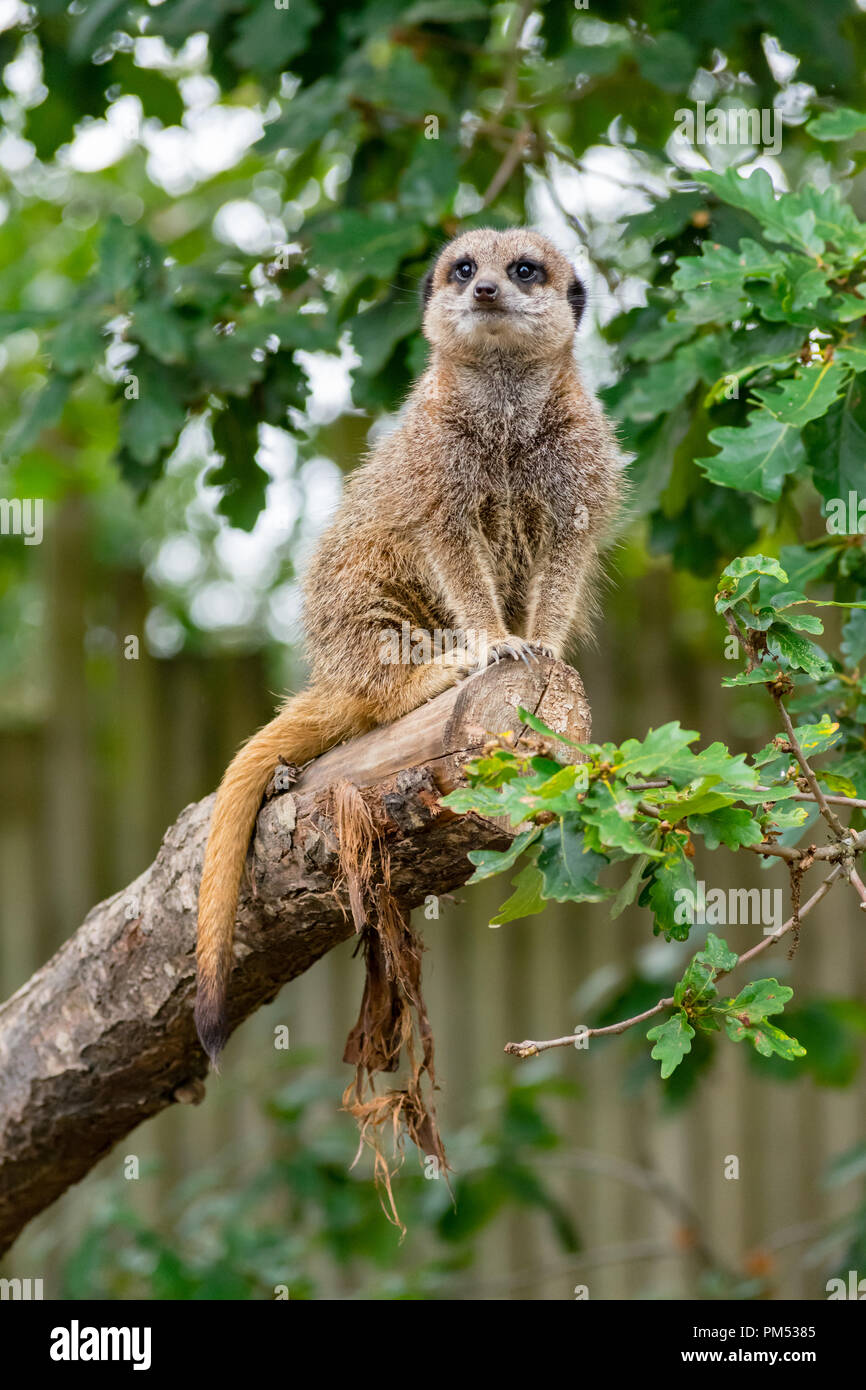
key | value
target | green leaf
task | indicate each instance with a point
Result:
(717, 953)
(782, 218)
(759, 1000)
(817, 738)
(269, 38)
(78, 344)
(834, 782)
(836, 222)
(766, 1038)
(160, 330)
(741, 576)
(151, 424)
(667, 888)
(612, 809)
(570, 869)
(840, 124)
(799, 399)
(733, 772)
(492, 861)
(629, 890)
(712, 284)
(704, 796)
(310, 115)
(119, 255)
(765, 674)
(244, 482)
(361, 244)
(854, 638)
(731, 825)
(804, 622)
(377, 331)
(528, 897)
(673, 1039)
(429, 182)
(533, 722)
(755, 458)
(42, 410)
(659, 746)
(799, 653)
(836, 444)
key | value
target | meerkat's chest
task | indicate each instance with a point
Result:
(515, 524)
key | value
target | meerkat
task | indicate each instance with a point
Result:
(480, 515)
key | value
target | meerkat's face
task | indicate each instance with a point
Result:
(510, 292)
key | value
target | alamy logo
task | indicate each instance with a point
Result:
(847, 516)
(855, 1287)
(738, 906)
(77, 1343)
(22, 516)
(730, 125)
(23, 1289)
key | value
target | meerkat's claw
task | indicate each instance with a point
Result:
(514, 647)
(543, 649)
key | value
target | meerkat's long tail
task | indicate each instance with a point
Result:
(305, 727)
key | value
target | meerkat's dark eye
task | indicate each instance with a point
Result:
(526, 271)
(464, 270)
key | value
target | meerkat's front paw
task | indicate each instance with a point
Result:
(516, 647)
(544, 649)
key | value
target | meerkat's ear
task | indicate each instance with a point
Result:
(576, 296)
(426, 288)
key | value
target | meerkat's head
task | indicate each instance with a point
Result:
(510, 292)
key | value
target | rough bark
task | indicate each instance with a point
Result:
(102, 1036)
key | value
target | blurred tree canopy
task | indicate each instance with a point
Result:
(196, 196)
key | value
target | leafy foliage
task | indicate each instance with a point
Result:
(257, 1236)
(653, 802)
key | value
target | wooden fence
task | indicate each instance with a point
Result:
(93, 777)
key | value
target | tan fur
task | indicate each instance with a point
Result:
(480, 515)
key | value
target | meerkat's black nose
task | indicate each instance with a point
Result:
(486, 290)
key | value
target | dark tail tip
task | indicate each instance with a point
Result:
(212, 1026)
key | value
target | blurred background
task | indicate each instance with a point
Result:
(213, 220)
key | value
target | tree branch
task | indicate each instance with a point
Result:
(102, 1036)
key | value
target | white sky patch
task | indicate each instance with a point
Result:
(330, 382)
(284, 613)
(97, 144)
(244, 224)
(210, 141)
(605, 185)
(249, 557)
(222, 604)
(11, 12)
(323, 487)
(772, 167)
(23, 76)
(179, 561)
(781, 64)
(164, 633)
(15, 154)
(199, 92)
(152, 51)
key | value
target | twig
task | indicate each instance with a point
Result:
(736, 631)
(533, 1049)
(857, 804)
(826, 810)
(510, 160)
